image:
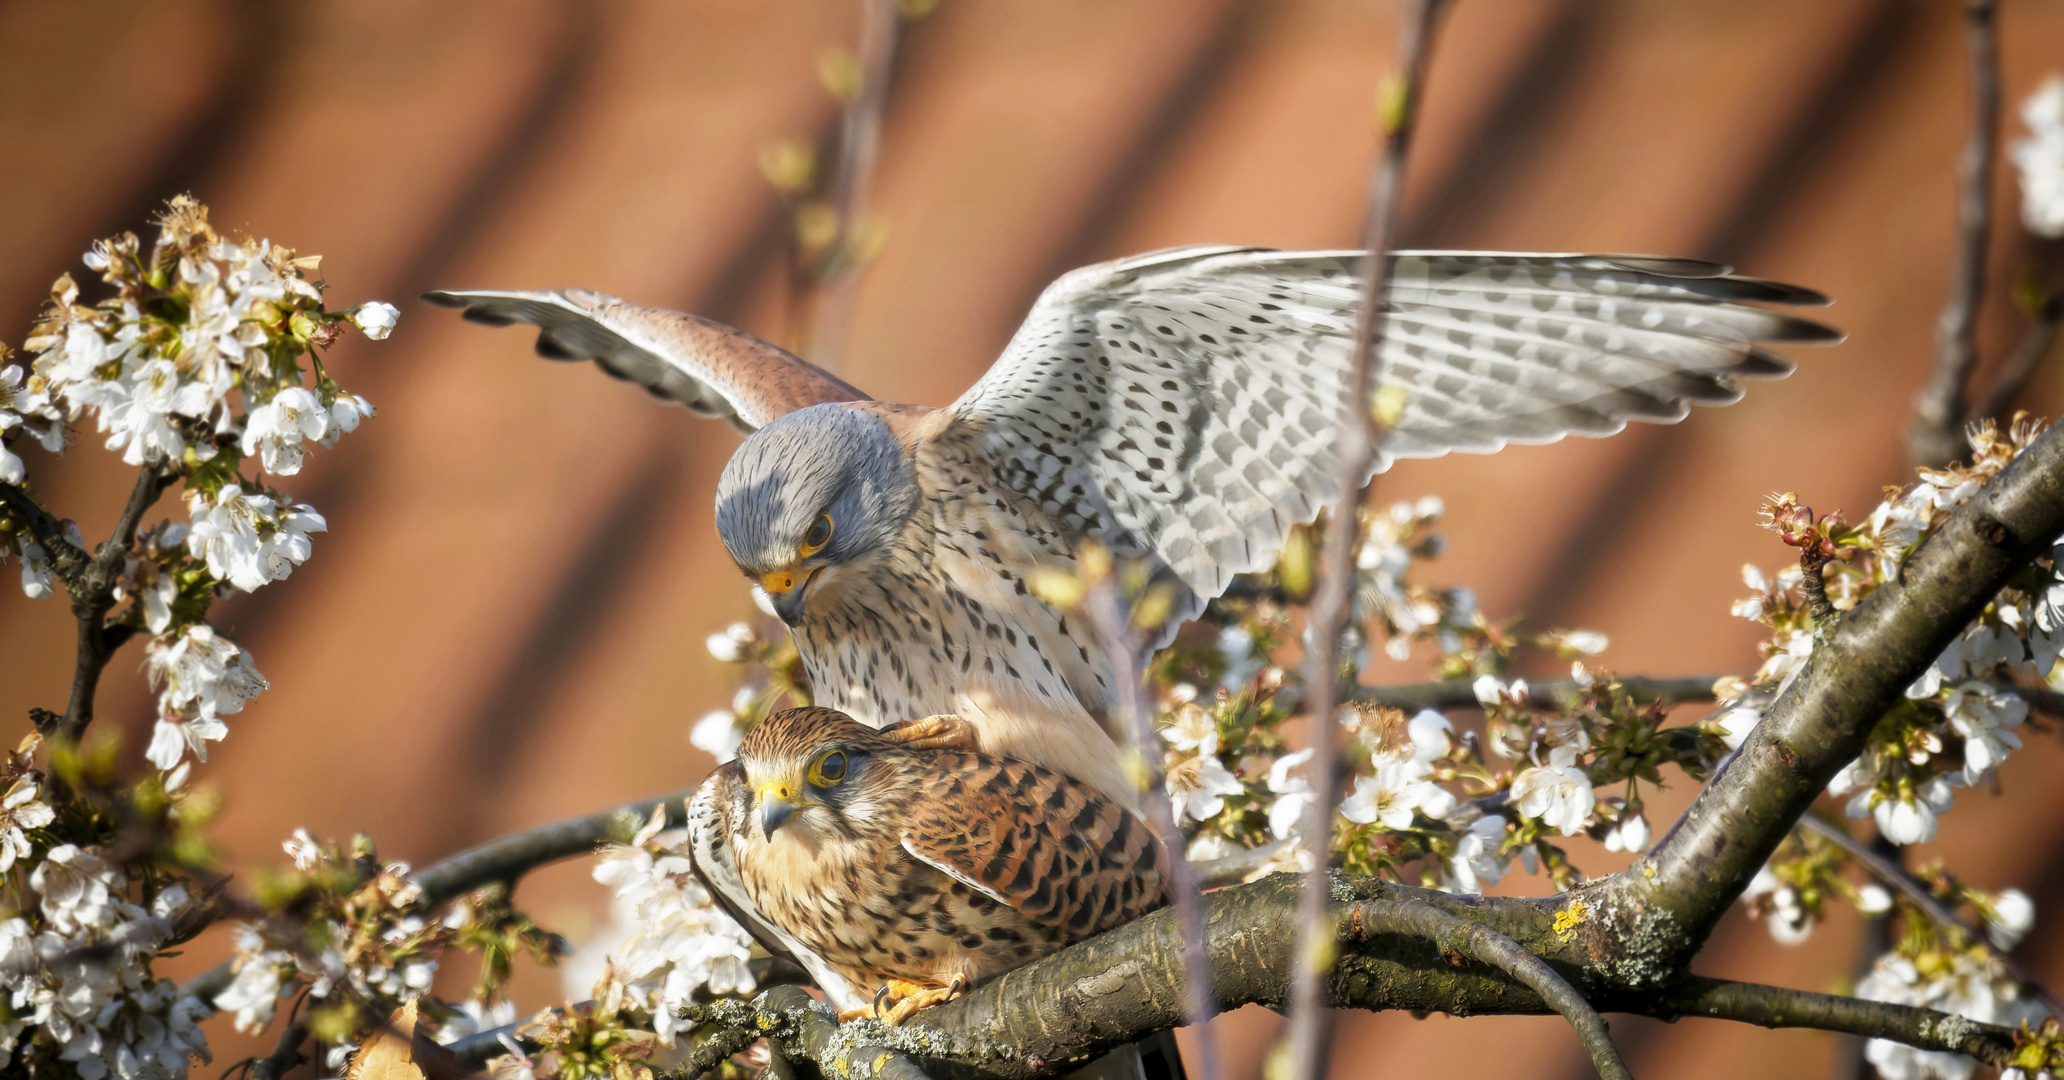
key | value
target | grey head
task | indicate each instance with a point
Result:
(810, 493)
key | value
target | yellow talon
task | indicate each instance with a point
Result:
(934, 733)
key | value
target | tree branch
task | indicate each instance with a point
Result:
(2026, 357)
(1777, 1007)
(1309, 1037)
(93, 594)
(1455, 693)
(1936, 437)
(1664, 912)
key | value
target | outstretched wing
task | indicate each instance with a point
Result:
(713, 369)
(713, 816)
(1188, 401)
(1046, 846)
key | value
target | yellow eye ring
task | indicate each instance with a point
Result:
(829, 769)
(818, 536)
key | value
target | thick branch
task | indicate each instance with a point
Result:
(1859, 669)
(1936, 438)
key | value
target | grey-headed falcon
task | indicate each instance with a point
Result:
(1178, 407)
(901, 877)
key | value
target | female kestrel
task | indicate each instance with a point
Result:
(899, 877)
(1180, 407)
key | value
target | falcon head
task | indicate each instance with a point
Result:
(814, 770)
(809, 495)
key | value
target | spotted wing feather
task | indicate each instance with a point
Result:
(713, 369)
(717, 812)
(1048, 847)
(1189, 401)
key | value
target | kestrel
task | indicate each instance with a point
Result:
(899, 877)
(1179, 407)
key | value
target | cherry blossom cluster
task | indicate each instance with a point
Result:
(206, 358)
(669, 943)
(1960, 718)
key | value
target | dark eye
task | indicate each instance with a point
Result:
(818, 536)
(829, 770)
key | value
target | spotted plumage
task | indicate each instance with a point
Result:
(1180, 407)
(882, 866)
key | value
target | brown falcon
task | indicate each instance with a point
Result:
(1179, 407)
(901, 877)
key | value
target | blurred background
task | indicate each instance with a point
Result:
(504, 624)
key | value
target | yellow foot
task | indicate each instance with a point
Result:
(934, 733)
(922, 999)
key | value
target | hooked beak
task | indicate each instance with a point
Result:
(774, 813)
(786, 594)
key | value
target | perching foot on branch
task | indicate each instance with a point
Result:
(934, 733)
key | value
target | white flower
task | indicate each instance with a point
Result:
(345, 414)
(302, 848)
(1558, 793)
(1981, 714)
(1587, 642)
(80, 889)
(1197, 788)
(139, 419)
(2040, 159)
(203, 669)
(1736, 723)
(19, 811)
(12, 470)
(376, 319)
(1293, 794)
(1788, 656)
(718, 734)
(1430, 734)
(731, 643)
(1902, 819)
(682, 942)
(1477, 861)
(247, 540)
(275, 430)
(1970, 987)
(35, 570)
(1191, 728)
(1873, 899)
(1789, 922)
(2008, 918)
(1396, 790)
(1488, 690)
(1630, 835)
(255, 991)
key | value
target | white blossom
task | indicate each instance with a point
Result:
(1873, 899)
(248, 539)
(1395, 790)
(35, 570)
(1477, 861)
(1197, 788)
(80, 889)
(2008, 917)
(376, 319)
(730, 645)
(302, 848)
(2040, 159)
(1736, 723)
(718, 734)
(1982, 715)
(1790, 923)
(1558, 793)
(138, 418)
(276, 429)
(682, 942)
(260, 978)
(22, 809)
(1630, 834)
(1293, 794)
(201, 669)
(345, 414)
(1967, 986)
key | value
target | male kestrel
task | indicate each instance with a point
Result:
(1180, 407)
(899, 877)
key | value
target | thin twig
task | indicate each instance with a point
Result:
(1308, 1040)
(859, 146)
(1918, 894)
(1479, 942)
(1936, 437)
(95, 595)
(1107, 615)
(285, 1055)
(2026, 357)
(1457, 693)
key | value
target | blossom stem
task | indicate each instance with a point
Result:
(93, 593)
(1307, 1043)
